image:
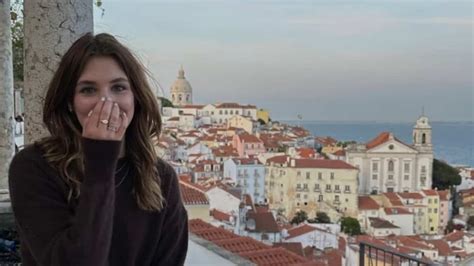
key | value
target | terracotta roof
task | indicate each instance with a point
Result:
(367, 203)
(393, 198)
(413, 243)
(191, 106)
(295, 247)
(454, 236)
(192, 195)
(380, 139)
(381, 223)
(430, 192)
(225, 151)
(280, 159)
(410, 195)
(326, 141)
(300, 230)
(241, 244)
(247, 138)
(306, 152)
(264, 222)
(198, 224)
(246, 161)
(340, 153)
(262, 208)
(274, 256)
(174, 118)
(220, 216)
(215, 233)
(442, 246)
(392, 211)
(311, 163)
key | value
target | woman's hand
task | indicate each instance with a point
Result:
(105, 122)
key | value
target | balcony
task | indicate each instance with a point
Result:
(337, 191)
(372, 254)
(317, 189)
(328, 190)
(347, 191)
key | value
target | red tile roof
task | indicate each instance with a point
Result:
(367, 203)
(247, 138)
(430, 192)
(241, 244)
(220, 216)
(393, 198)
(442, 246)
(295, 247)
(274, 256)
(192, 195)
(392, 211)
(410, 195)
(213, 234)
(311, 163)
(380, 139)
(326, 141)
(246, 161)
(413, 243)
(300, 230)
(264, 222)
(454, 236)
(191, 106)
(306, 152)
(198, 224)
(381, 223)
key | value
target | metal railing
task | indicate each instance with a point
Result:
(374, 255)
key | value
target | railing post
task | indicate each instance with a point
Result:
(361, 254)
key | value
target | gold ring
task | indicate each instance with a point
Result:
(104, 121)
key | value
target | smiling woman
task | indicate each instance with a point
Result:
(95, 192)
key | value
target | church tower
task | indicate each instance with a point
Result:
(181, 90)
(422, 134)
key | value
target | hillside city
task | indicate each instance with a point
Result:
(272, 193)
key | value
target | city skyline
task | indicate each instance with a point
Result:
(370, 61)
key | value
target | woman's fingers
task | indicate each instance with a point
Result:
(105, 114)
(114, 121)
(124, 125)
(93, 115)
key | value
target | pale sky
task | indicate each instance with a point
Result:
(327, 60)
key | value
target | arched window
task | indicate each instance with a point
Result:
(423, 138)
(172, 96)
(187, 97)
(390, 166)
(180, 97)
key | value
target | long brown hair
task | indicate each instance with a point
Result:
(63, 149)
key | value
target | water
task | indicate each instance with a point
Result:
(453, 142)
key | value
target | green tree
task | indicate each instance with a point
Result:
(350, 226)
(299, 217)
(444, 175)
(16, 13)
(165, 102)
(322, 217)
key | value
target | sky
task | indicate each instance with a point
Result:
(326, 60)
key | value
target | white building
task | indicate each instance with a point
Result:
(249, 174)
(181, 90)
(309, 235)
(388, 165)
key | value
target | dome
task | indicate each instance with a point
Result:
(181, 85)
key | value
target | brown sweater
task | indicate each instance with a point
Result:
(105, 226)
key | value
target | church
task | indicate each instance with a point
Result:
(181, 90)
(387, 164)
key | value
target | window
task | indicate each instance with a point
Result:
(375, 167)
(406, 177)
(336, 187)
(429, 211)
(231, 112)
(332, 175)
(328, 187)
(298, 186)
(390, 177)
(423, 169)
(390, 189)
(220, 112)
(308, 175)
(374, 177)
(406, 167)
(347, 188)
(305, 196)
(297, 195)
(305, 186)
(336, 198)
(298, 173)
(435, 210)
(435, 200)
(429, 201)
(390, 166)
(320, 176)
(320, 198)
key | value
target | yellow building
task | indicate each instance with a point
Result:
(243, 122)
(331, 149)
(264, 115)
(195, 201)
(431, 201)
(311, 185)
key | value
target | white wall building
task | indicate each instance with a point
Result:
(249, 174)
(388, 165)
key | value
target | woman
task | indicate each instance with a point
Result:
(94, 192)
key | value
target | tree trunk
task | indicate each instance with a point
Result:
(7, 137)
(50, 29)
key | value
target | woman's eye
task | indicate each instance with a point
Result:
(119, 88)
(87, 90)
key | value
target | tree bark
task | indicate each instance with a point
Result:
(7, 133)
(50, 29)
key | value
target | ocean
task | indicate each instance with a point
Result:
(453, 142)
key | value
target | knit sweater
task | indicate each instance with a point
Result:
(104, 226)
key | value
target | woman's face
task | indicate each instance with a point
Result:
(102, 77)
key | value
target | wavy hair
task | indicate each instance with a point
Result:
(63, 149)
